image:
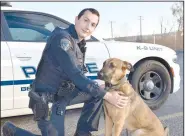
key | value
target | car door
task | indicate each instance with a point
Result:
(28, 32)
(96, 54)
(6, 75)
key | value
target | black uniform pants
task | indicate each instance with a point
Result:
(88, 121)
(90, 115)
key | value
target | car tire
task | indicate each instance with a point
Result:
(156, 93)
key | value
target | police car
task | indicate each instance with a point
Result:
(23, 37)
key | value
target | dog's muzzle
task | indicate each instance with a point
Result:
(100, 75)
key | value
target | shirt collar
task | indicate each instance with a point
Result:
(73, 33)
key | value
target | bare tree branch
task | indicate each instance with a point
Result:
(177, 12)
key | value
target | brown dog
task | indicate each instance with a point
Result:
(136, 116)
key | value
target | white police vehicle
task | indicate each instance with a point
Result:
(23, 37)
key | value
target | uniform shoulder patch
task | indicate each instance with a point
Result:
(65, 44)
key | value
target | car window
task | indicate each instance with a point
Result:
(2, 35)
(31, 26)
(24, 34)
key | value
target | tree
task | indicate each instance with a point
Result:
(177, 11)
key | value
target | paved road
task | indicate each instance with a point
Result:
(171, 114)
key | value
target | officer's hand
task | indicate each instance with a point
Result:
(117, 99)
(102, 86)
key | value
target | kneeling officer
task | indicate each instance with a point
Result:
(60, 80)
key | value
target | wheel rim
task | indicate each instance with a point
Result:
(150, 86)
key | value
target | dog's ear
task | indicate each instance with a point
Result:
(104, 63)
(128, 66)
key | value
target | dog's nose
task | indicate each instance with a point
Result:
(100, 75)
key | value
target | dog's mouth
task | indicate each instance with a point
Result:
(107, 84)
(113, 82)
(99, 76)
(103, 77)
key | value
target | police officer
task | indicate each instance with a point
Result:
(60, 80)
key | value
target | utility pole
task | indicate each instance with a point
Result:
(140, 18)
(161, 22)
(175, 38)
(111, 28)
(154, 36)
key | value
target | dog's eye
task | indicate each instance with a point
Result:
(112, 65)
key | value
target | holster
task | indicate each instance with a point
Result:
(39, 105)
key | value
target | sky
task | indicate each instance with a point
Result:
(124, 15)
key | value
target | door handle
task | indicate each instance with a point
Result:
(24, 58)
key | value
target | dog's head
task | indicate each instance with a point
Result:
(114, 70)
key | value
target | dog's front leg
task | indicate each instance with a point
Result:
(119, 122)
(118, 127)
(108, 124)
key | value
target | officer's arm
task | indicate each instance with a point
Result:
(65, 56)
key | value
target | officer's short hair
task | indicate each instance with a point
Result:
(92, 10)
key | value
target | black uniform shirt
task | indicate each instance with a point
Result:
(62, 60)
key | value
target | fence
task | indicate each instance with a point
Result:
(172, 40)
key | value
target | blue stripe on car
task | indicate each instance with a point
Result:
(22, 82)
(16, 82)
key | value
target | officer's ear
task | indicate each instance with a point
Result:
(76, 18)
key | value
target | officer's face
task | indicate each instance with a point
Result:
(86, 24)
